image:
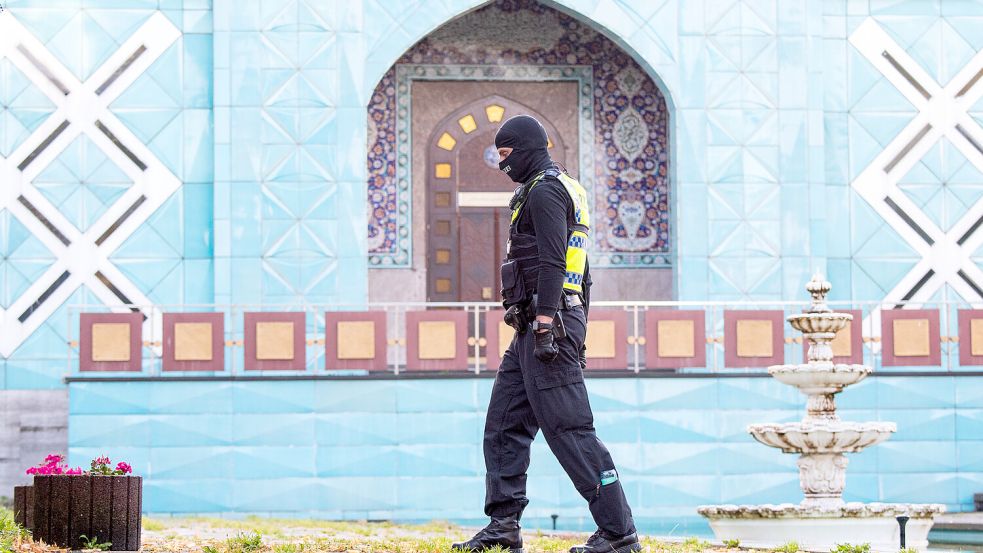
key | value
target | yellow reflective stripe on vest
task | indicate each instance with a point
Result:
(577, 244)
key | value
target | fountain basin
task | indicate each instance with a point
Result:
(812, 323)
(819, 379)
(822, 436)
(822, 528)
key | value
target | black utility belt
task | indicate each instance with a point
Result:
(567, 301)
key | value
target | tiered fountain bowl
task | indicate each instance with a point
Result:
(821, 439)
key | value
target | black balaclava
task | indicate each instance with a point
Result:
(527, 138)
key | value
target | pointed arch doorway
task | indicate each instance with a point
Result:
(467, 198)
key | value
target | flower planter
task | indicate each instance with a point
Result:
(24, 505)
(105, 508)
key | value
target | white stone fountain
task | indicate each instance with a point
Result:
(821, 439)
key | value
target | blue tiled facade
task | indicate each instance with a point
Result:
(259, 110)
(411, 450)
(780, 115)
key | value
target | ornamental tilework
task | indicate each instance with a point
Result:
(630, 126)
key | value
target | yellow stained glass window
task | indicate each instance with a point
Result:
(443, 257)
(468, 124)
(442, 170)
(446, 142)
(494, 113)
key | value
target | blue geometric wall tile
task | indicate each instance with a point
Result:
(23, 258)
(82, 182)
(183, 463)
(355, 493)
(921, 456)
(612, 395)
(667, 458)
(111, 398)
(205, 495)
(450, 428)
(861, 486)
(102, 430)
(455, 492)
(296, 494)
(345, 429)
(355, 397)
(24, 107)
(969, 424)
(293, 429)
(677, 426)
(739, 458)
(380, 461)
(280, 397)
(761, 488)
(266, 461)
(669, 490)
(926, 488)
(443, 395)
(923, 424)
(425, 460)
(909, 393)
(192, 430)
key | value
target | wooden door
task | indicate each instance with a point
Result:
(467, 201)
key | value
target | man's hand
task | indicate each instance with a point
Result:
(546, 349)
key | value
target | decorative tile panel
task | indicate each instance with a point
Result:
(626, 168)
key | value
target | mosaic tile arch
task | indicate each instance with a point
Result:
(76, 178)
(628, 115)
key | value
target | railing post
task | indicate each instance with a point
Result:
(476, 336)
(636, 335)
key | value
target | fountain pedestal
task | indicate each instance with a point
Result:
(822, 520)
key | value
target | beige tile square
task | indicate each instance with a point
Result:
(356, 340)
(754, 338)
(437, 340)
(192, 341)
(600, 341)
(275, 341)
(911, 337)
(110, 342)
(976, 336)
(843, 344)
(676, 338)
(505, 334)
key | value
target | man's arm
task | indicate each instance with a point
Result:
(548, 208)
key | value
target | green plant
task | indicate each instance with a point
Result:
(94, 543)
(152, 525)
(244, 543)
(908, 550)
(732, 544)
(850, 548)
(209, 549)
(789, 547)
(11, 533)
(697, 544)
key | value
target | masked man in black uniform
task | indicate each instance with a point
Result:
(540, 384)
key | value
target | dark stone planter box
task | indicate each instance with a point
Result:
(107, 508)
(24, 505)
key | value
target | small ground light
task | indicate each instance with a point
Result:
(902, 521)
(554, 517)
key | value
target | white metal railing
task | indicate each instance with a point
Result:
(476, 340)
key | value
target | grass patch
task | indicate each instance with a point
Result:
(11, 533)
(152, 525)
(789, 547)
(850, 548)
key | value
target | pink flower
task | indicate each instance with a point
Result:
(102, 460)
(76, 470)
(124, 468)
(53, 459)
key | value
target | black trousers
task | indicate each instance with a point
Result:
(529, 396)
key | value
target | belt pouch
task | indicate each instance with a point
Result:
(513, 285)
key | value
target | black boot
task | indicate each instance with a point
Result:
(601, 542)
(503, 531)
